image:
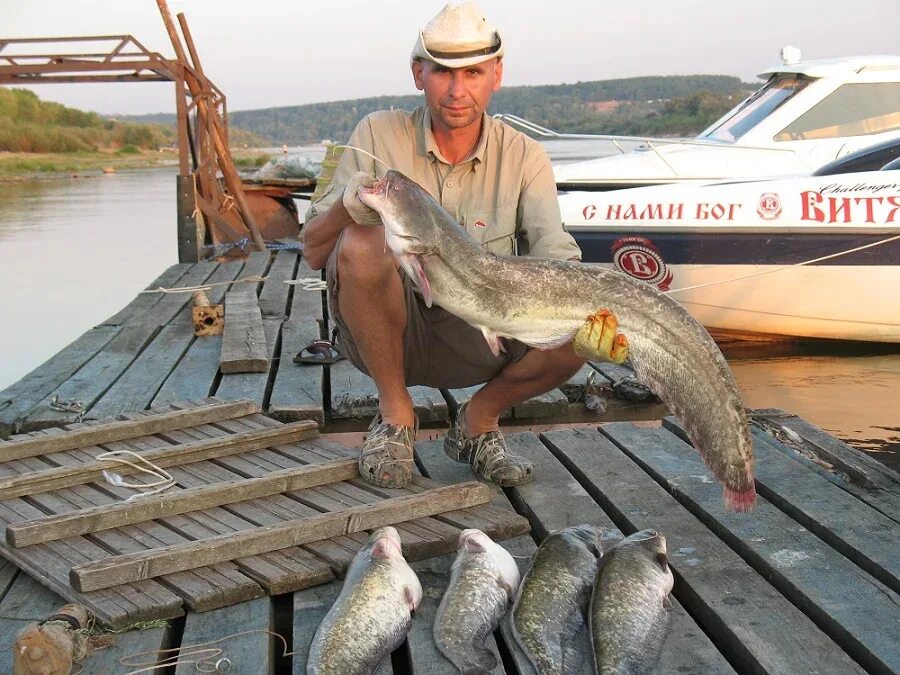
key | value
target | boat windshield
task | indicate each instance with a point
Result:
(748, 114)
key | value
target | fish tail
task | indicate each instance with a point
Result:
(739, 501)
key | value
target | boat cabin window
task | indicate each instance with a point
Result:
(851, 110)
(772, 95)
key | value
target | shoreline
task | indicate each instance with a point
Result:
(18, 167)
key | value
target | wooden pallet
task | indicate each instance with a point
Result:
(808, 583)
(290, 502)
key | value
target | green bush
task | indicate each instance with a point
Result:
(128, 150)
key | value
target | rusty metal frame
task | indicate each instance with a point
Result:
(200, 191)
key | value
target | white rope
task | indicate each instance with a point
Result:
(208, 660)
(308, 283)
(163, 480)
(786, 267)
(190, 289)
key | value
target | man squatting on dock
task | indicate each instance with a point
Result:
(499, 184)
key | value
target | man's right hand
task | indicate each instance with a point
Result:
(362, 214)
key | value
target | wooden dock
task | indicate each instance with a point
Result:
(146, 355)
(808, 583)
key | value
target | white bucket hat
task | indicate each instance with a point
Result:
(458, 36)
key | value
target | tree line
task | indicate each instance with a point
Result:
(673, 105)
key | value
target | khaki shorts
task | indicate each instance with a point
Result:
(440, 349)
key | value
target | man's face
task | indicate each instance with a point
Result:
(457, 96)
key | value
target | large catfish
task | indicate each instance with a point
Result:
(545, 303)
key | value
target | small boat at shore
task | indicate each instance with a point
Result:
(816, 256)
(806, 114)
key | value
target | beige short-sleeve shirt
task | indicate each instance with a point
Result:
(504, 194)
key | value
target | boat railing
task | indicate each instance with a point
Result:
(649, 142)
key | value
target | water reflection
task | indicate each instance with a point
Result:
(73, 251)
(851, 390)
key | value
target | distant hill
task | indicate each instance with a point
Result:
(661, 105)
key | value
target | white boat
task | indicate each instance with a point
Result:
(806, 114)
(812, 257)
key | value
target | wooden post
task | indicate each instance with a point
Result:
(189, 241)
(232, 180)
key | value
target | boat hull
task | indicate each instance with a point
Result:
(813, 257)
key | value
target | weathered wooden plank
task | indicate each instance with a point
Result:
(50, 563)
(277, 572)
(274, 296)
(118, 430)
(133, 642)
(864, 477)
(422, 537)
(105, 517)
(549, 404)
(201, 589)
(92, 380)
(122, 569)
(863, 534)
(747, 618)
(810, 440)
(854, 609)
(353, 393)
(233, 386)
(457, 397)
(240, 631)
(138, 385)
(144, 302)
(194, 375)
(20, 397)
(95, 378)
(59, 477)
(429, 405)
(297, 391)
(273, 301)
(244, 340)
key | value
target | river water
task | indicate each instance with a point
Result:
(75, 250)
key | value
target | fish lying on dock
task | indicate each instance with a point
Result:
(549, 617)
(373, 612)
(483, 582)
(546, 303)
(630, 605)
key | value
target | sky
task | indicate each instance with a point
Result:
(269, 53)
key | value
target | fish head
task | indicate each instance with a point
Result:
(414, 223)
(650, 547)
(473, 542)
(589, 536)
(385, 543)
(408, 211)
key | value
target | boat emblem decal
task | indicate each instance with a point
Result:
(589, 211)
(639, 258)
(769, 206)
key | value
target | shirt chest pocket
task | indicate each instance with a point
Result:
(494, 230)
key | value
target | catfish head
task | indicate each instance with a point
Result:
(414, 223)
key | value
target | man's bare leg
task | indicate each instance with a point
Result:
(371, 302)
